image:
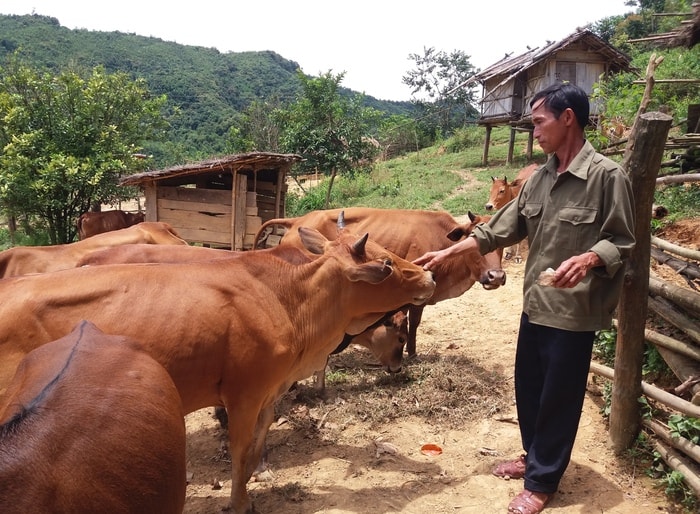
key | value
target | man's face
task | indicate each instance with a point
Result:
(549, 131)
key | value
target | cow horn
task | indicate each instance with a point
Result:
(341, 220)
(359, 246)
(471, 216)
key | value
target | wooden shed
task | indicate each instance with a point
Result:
(218, 202)
(509, 84)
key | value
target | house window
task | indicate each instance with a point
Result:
(566, 72)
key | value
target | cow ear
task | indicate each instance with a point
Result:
(313, 240)
(456, 234)
(372, 272)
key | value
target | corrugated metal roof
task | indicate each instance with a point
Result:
(228, 162)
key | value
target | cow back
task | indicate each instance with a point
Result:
(410, 233)
(22, 260)
(91, 423)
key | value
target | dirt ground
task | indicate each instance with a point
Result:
(351, 453)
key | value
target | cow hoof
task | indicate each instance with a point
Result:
(264, 476)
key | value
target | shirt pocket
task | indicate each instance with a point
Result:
(532, 212)
(577, 228)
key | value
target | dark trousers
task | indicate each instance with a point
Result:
(551, 371)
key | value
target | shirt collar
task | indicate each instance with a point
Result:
(579, 166)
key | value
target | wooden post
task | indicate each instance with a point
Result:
(530, 143)
(150, 193)
(511, 145)
(487, 142)
(642, 164)
(238, 216)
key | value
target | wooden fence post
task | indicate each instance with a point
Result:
(642, 163)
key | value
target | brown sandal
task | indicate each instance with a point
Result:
(511, 469)
(529, 502)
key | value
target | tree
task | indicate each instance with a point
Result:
(327, 129)
(256, 129)
(436, 86)
(65, 141)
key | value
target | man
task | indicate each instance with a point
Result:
(578, 216)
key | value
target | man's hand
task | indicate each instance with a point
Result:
(430, 260)
(573, 270)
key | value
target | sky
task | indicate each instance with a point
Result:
(368, 40)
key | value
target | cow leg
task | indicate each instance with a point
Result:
(415, 313)
(518, 258)
(222, 416)
(508, 254)
(258, 459)
(242, 448)
(320, 379)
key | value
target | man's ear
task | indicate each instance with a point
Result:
(569, 116)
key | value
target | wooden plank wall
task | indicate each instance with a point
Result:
(198, 215)
(205, 215)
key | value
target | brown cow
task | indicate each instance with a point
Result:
(382, 338)
(385, 339)
(409, 234)
(231, 332)
(92, 223)
(92, 423)
(503, 192)
(22, 260)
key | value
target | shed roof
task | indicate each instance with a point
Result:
(254, 160)
(512, 66)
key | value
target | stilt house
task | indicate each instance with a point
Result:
(509, 84)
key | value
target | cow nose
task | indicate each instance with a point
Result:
(494, 278)
(489, 206)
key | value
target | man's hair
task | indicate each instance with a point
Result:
(561, 96)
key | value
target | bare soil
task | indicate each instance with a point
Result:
(358, 448)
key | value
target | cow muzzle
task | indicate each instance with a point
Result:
(493, 279)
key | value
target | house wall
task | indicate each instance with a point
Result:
(498, 100)
(201, 215)
(510, 100)
(559, 68)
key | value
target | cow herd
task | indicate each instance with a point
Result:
(106, 343)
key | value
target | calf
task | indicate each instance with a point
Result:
(234, 332)
(92, 223)
(91, 423)
(503, 192)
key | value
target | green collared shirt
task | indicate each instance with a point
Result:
(588, 207)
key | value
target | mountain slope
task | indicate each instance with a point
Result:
(208, 88)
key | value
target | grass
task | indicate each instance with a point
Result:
(448, 176)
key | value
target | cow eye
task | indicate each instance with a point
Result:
(388, 263)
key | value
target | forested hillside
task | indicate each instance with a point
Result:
(206, 89)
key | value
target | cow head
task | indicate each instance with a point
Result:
(499, 195)
(386, 341)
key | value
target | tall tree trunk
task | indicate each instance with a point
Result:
(334, 172)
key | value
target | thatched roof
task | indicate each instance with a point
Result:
(689, 34)
(253, 161)
(509, 66)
